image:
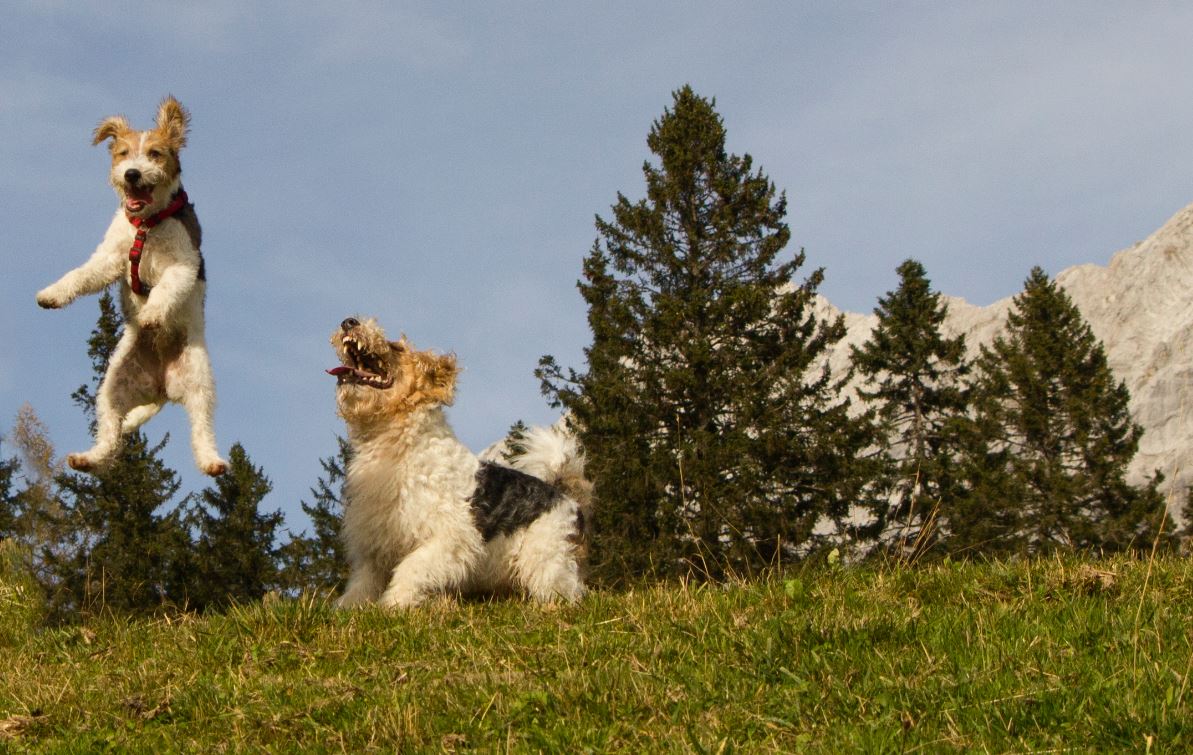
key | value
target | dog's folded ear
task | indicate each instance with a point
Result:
(437, 376)
(109, 128)
(173, 121)
(445, 369)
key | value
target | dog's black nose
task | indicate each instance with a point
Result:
(132, 176)
(349, 324)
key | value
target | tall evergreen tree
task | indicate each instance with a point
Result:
(317, 561)
(515, 441)
(126, 539)
(713, 442)
(121, 535)
(9, 512)
(1051, 441)
(100, 345)
(914, 376)
(235, 558)
(1184, 534)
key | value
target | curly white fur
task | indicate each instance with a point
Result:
(409, 521)
(549, 453)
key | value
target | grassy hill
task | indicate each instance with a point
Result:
(1046, 655)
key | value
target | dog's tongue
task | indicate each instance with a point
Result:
(137, 198)
(341, 370)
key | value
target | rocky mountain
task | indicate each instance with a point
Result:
(1141, 307)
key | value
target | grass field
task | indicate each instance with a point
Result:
(1025, 657)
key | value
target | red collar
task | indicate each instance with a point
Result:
(143, 225)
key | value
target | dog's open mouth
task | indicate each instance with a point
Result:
(360, 367)
(137, 198)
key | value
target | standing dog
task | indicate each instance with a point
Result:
(152, 247)
(422, 514)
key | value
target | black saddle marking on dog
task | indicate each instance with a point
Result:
(506, 500)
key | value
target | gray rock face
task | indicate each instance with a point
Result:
(1141, 307)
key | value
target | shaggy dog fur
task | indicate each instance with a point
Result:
(422, 514)
(162, 355)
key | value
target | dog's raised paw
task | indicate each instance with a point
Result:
(149, 322)
(48, 301)
(214, 468)
(81, 462)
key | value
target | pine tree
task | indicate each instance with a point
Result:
(121, 538)
(1051, 441)
(515, 438)
(124, 549)
(915, 377)
(235, 558)
(100, 345)
(1184, 534)
(9, 512)
(317, 561)
(713, 443)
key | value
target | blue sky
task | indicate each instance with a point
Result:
(439, 165)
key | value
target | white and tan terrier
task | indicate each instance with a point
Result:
(152, 247)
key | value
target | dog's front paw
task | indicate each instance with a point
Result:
(214, 468)
(47, 298)
(400, 598)
(83, 462)
(351, 600)
(150, 319)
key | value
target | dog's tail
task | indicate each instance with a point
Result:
(552, 454)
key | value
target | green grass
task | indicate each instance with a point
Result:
(1031, 656)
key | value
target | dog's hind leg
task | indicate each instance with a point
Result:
(554, 578)
(190, 383)
(547, 561)
(200, 407)
(116, 397)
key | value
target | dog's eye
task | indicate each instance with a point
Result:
(155, 154)
(121, 152)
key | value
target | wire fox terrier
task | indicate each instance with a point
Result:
(152, 247)
(422, 514)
